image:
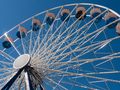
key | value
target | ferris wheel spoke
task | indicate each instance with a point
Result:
(64, 48)
(4, 81)
(48, 83)
(65, 30)
(109, 60)
(51, 84)
(91, 47)
(105, 58)
(44, 53)
(12, 44)
(80, 28)
(99, 87)
(73, 83)
(85, 31)
(87, 75)
(6, 69)
(73, 59)
(101, 30)
(96, 35)
(97, 30)
(103, 62)
(82, 62)
(48, 28)
(45, 47)
(6, 55)
(58, 27)
(56, 80)
(58, 47)
(56, 84)
(23, 46)
(36, 41)
(38, 36)
(5, 74)
(85, 62)
(45, 84)
(67, 46)
(97, 81)
(30, 43)
(108, 72)
(76, 75)
(104, 43)
(5, 63)
(105, 79)
(84, 86)
(94, 84)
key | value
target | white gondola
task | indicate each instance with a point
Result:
(118, 28)
(80, 12)
(50, 18)
(65, 14)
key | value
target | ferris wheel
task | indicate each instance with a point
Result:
(69, 47)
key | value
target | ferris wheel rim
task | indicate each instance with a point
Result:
(89, 4)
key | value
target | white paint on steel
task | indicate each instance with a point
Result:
(21, 61)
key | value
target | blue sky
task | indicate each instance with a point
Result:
(13, 12)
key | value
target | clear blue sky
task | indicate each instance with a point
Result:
(13, 12)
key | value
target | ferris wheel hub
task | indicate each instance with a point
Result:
(21, 61)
